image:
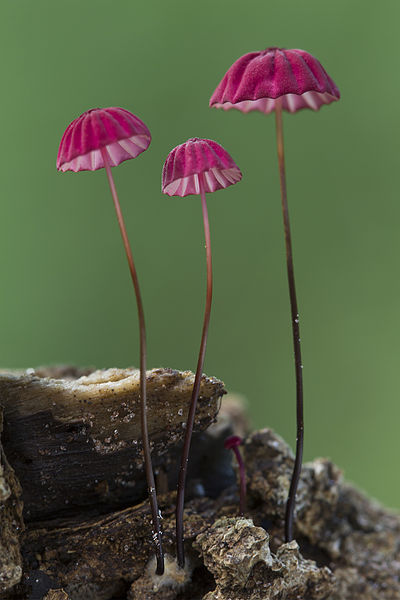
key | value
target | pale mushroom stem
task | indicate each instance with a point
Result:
(157, 535)
(290, 505)
(196, 388)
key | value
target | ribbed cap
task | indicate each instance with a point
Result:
(120, 133)
(198, 160)
(257, 79)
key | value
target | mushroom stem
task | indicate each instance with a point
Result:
(196, 388)
(232, 443)
(157, 535)
(295, 328)
(242, 477)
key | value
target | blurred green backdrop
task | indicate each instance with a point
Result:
(66, 295)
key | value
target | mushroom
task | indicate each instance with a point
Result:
(232, 443)
(277, 79)
(197, 167)
(103, 138)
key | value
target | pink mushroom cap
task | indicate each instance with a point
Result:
(197, 158)
(117, 131)
(257, 79)
(232, 441)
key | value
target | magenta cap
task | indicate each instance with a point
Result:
(120, 133)
(198, 158)
(232, 441)
(257, 79)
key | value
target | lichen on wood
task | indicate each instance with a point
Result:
(238, 555)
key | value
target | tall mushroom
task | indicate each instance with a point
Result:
(196, 167)
(277, 79)
(103, 138)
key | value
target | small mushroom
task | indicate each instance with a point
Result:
(196, 167)
(232, 443)
(103, 138)
(277, 79)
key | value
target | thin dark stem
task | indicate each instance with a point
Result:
(180, 501)
(157, 535)
(242, 477)
(296, 332)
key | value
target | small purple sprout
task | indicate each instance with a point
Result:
(232, 443)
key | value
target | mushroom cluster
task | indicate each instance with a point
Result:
(272, 80)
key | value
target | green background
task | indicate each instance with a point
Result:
(66, 295)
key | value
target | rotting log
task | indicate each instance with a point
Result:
(347, 547)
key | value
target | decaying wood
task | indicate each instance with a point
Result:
(347, 547)
(238, 554)
(11, 523)
(56, 595)
(76, 443)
